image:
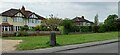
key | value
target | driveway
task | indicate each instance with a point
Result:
(9, 45)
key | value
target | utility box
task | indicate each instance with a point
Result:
(52, 38)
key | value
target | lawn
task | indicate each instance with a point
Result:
(35, 42)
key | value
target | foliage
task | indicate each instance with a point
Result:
(67, 23)
(95, 26)
(96, 20)
(95, 29)
(21, 33)
(24, 28)
(85, 29)
(52, 22)
(38, 28)
(110, 24)
(61, 29)
(75, 28)
(102, 28)
(36, 42)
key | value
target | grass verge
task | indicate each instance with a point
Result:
(35, 42)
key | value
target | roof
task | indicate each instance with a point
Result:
(26, 13)
(118, 20)
(81, 19)
(10, 12)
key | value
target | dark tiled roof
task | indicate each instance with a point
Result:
(10, 12)
(81, 19)
(118, 20)
(13, 12)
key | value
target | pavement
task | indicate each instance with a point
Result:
(106, 48)
(70, 47)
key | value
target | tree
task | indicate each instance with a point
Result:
(111, 24)
(96, 20)
(67, 24)
(52, 22)
(95, 26)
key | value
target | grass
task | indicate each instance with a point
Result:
(36, 42)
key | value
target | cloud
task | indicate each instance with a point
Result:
(65, 9)
(32, 1)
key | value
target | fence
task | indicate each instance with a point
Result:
(30, 33)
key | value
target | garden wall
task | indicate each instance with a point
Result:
(30, 33)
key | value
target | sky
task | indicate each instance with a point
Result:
(65, 9)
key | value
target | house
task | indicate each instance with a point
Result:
(13, 19)
(81, 21)
(118, 20)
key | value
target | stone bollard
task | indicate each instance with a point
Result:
(52, 38)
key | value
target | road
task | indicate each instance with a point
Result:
(107, 48)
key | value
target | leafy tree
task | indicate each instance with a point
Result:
(95, 26)
(110, 23)
(52, 22)
(67, 24)
(96, 20)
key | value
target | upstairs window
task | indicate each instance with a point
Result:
(19, 15)
(31, 20)
(4, 19)
(17, 19)
(33, 16)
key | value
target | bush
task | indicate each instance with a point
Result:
(85, 29)
(75, 29)
(24, 28)
(95, 28)
(38, 28)
(61, 29)
(21, 33)
(102, 29)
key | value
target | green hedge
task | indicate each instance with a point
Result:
(85, 28)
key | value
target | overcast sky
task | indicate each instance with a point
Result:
(65, 9)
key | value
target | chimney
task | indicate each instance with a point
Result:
(23, 9)
(82, 17)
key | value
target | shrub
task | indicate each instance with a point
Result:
(75, 28)
(61, 29)
(85, 29)
(102, 29)
(38, 28)
(67, 23)
(24, 28)
(21, 33)
(95, 28)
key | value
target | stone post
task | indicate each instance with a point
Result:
(52, 38)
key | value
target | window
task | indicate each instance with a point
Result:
(6, 28)
(17, 19)
(16, 28)
(5, 19)
(33, 16)
(32, 21)
(19, 15)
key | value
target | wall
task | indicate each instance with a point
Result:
(30, 33)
